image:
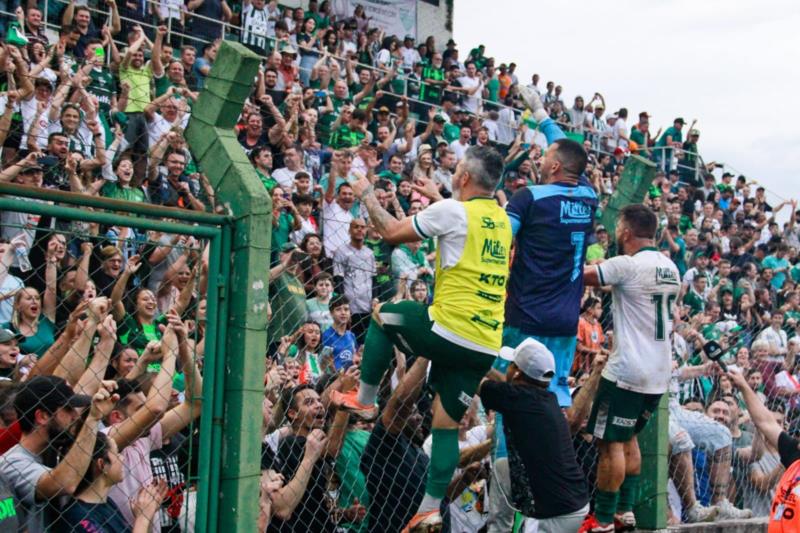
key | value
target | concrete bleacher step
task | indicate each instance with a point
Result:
(752, 525)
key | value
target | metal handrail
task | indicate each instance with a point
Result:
(225, 26)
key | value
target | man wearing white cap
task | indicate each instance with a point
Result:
(546, 481)
(645, 284)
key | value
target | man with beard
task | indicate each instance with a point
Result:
(141, 424)
(302, 456)
(552, 223)
(461, 331)
(645, 284)
(47, 410)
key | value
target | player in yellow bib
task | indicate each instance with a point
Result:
(461, 332)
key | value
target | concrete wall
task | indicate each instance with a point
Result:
(432, 20)
(754, 525)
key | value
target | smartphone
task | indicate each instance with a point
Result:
(320, 94)
(47, 161)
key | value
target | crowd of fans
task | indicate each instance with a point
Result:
(102, 327)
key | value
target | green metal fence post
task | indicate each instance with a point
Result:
(230, 502)
(651, 512)
(216, 257)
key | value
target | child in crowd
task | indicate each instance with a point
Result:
(318, 306)
(338, 336)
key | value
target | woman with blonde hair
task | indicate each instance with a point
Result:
(33, 317)
(423, 169)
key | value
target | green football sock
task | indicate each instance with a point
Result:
(377, 358)
(444, 460)
(605, 505)
(628, 493)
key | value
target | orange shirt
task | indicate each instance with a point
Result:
(591, 336)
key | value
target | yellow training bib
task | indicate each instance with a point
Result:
(469, 298)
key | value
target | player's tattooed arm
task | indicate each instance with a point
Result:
(392, 230)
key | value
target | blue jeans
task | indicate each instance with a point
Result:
(306, 64)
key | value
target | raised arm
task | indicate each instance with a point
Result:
(5, 119)
(65, 477)
(180, 416)
(69, 14)
(155, 57)
(759, 414)
(12, 171)
(90, 381)
(53, 356)
(392, 230)
(116, 25)
(286, 500)
(582, 403)
(50, 297)
(118, 292)
(74, 362)
(154, 407)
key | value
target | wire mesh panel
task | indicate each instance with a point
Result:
(103, 340)
(104, 313)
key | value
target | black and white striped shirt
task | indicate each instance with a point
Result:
(255, 25)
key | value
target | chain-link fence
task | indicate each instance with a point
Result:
(103, 333)
(89, 301)
(719, 466)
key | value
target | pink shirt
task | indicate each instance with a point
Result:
(136, 462)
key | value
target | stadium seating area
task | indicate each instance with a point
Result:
(88, 311)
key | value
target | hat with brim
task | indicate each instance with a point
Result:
(535, 360)
(6, 335)
(48, 393)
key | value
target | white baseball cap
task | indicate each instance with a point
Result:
(535, 360)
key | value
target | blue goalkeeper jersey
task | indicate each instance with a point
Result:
(552, 224)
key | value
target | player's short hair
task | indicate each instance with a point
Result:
(640, 219)
(485, 165)
(572, 156)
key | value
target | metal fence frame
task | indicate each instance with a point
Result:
(214, 228)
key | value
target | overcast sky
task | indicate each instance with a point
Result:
(733, 65)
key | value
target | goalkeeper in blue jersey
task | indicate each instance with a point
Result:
(552, 223)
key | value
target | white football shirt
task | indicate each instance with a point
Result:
(644, 288)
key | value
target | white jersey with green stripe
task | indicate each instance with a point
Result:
(644, 289)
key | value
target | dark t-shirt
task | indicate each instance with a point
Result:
(94, 517)
(8, 508)
(394, 470)
(788, 449)
(165, 464)
(312, 513)
(536, 429)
